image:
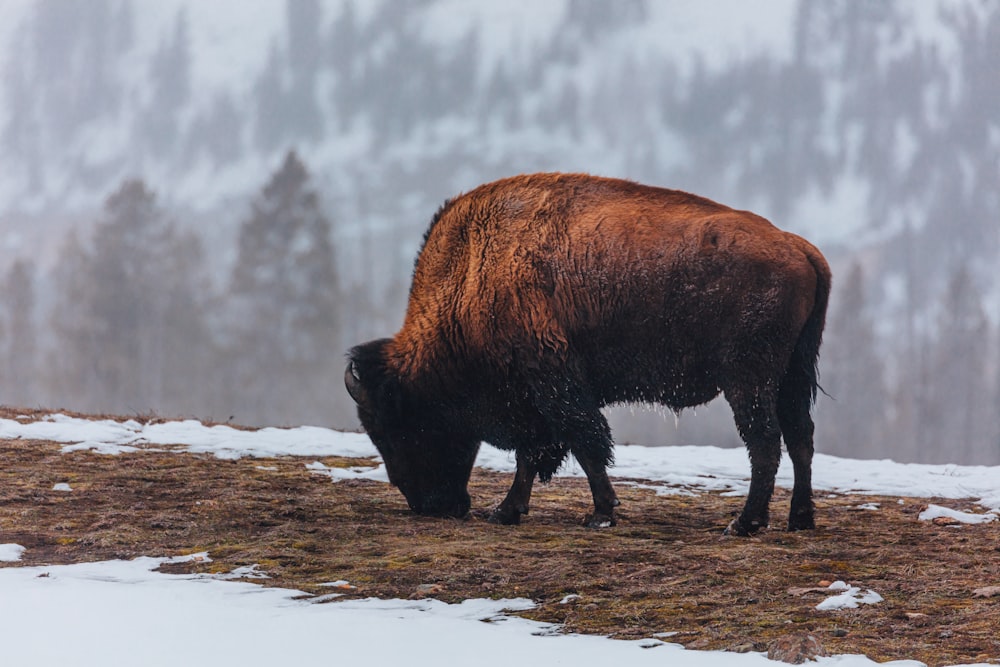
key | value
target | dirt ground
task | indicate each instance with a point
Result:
(665, 568)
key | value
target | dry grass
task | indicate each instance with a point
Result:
(664, 568)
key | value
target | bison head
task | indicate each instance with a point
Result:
(429, 464)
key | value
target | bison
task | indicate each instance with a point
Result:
(538, 299)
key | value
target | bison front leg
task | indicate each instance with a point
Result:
(757, 420)
(509, 512)
(573, 416)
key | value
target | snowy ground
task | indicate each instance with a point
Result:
(124, 613)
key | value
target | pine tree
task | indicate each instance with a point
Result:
(19, 354)
(269, 93)
(499, 104)
(993, 450)
(284, 295)
(957, 420)
(128, 319)
(170, 76)
(217, 132)
(593, 17)
(305, 53)
(853, 423)
(344, 55)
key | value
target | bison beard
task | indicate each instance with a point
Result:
(536, 300)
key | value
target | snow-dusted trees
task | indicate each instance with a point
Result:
(128, 315)
(60, 74)
(957, 418)
(878, 117)
(284, 340)
(286, 103)
(852, 423)
(170, 80)
(135, 326)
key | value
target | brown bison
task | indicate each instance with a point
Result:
(538, 299)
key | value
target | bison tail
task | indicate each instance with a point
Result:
(805, 356)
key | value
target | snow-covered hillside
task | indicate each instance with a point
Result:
(107, 68)
(201, 99)
(870, 128)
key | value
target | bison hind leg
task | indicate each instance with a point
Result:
(794, 403)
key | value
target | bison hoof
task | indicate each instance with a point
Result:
(801, 523)
(739, 528)
(598, 520)
(504, 516)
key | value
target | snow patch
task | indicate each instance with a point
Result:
(937, 512)
(110, 612)
(868, 506)
(376, 473)
(224, 442)
(677, 469)
(245, 572)
(850, 597)
(10, 553)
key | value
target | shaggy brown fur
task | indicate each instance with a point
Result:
(538, 299)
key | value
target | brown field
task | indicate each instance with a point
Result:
(665, 568)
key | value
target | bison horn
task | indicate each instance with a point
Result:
(352, 380)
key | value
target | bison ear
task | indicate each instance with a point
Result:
(370, 383)
(355, 387)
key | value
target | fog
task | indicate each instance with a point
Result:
(204, 205)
